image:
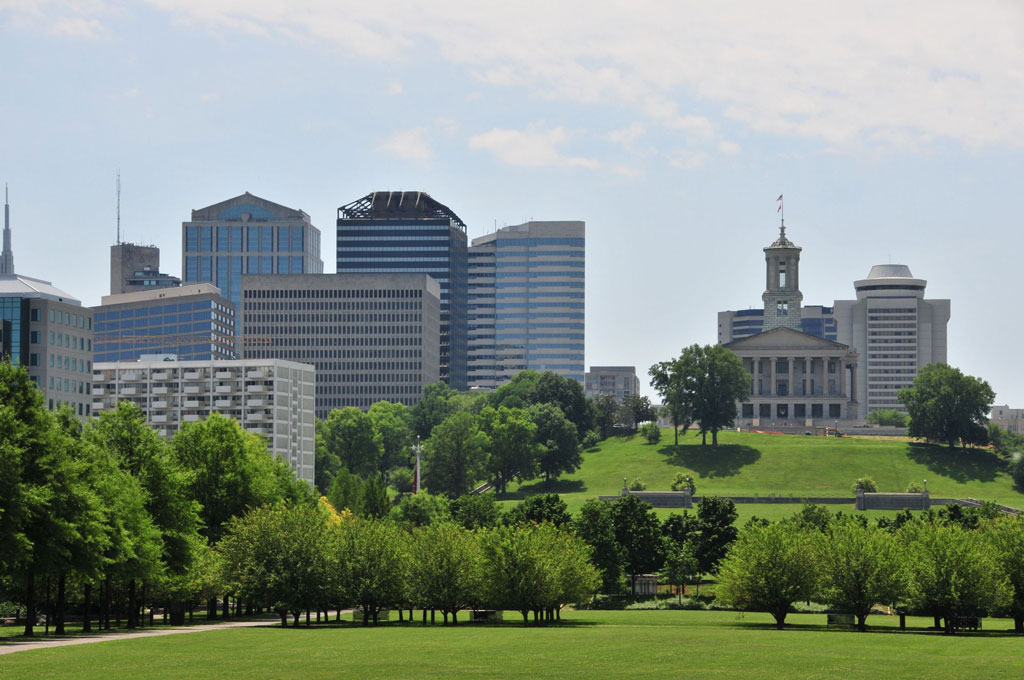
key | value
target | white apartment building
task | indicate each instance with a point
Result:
(1010, 419)
(615, 381)
(271, 397)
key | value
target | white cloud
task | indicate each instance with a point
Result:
(394, 88)
(409, 145)
(76, 27)
(729, 148)
(873, 73)
(627, 135)
(532, 147)
(687, 159)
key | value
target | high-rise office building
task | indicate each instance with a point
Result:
(526, 302)
(135, 268)
(269, 397)
(7, 255)
(409, 232)
(896, 331)
(816, 320)
(192, 322)
(371, 337)
(247, 235)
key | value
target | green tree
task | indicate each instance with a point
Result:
(558, 441)
(673, 380)
(638, 533)
(376, 503)
(719, 382)
(392, 434)
(567, 394)
(455, 455)
(637, 409)
(865, 484)
(1006, 536)
(346, 492)
(434, 407)
(952, 571)
(651, 432)
(445, 568)
(768, 569)
(606, 411)
(887, 417)
(377, 552)
(947, 406)
(545, 507)
(348, 434)
(595, 526)
(421, 509)
(716, 518)
(514, 452)
(860, 566)
(476, 511)
(681, 567)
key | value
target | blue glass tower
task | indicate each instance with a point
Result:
(409, 232)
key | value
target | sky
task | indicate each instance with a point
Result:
(895, 131)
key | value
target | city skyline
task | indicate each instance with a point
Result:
(890, 145)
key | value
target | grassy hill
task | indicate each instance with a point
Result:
(747, 464)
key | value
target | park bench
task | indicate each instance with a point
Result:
(972, 623)
(841, 621)
(485, 615)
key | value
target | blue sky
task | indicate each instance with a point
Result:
(895, 131)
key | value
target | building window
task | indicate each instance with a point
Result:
(782, 388)
(782, 411)
(799, 410)
(37, 314)
(834, 411)
(782, 308)
(816, 410)
(748, 410)
(782, 274)
(764, 410)
(33, 359)
(33, 336)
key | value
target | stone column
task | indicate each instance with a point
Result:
(792, 372)
(771, 385)
(842, 377)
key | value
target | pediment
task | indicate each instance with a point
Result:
(784, 339)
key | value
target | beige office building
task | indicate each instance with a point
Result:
(270, 397)
(614, 381)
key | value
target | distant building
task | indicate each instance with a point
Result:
(194, 322)
(527, 302)
(896, 332)
(135, 268)
(270, 397)
(7, 254)
(816, 320)
(614, 381)
(371, 337)
(247, 235)
(48, 332)
(1010, 419)
(409, 232)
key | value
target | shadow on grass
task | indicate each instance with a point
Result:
(724, 461)
(558, 486)
(957, 464)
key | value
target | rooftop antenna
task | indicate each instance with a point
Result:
(119, 206)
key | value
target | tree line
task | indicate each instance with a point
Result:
(951, 564)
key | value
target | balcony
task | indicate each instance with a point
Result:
(128, 391)
(224, 389)
(253, 402)
(191, 403)
(258, 416)
(257, 374)
(225, 375)
(192, 389)
(190, 417)
(193, 375)
(98, 391)
(160, 375)
(162, 403)
(158, 419)
(256, 389)
(99, 405)
(160, 390)
(131, 376)
(224, 403)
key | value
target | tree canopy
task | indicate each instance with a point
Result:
(947, 406)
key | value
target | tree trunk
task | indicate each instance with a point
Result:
(675, 429)
(862, 622)
(86, 597)
(227, 606)
(780, 617)
(61, 603)
(105, 607)
(714, 439)
(526, 616)
(30, 603)
(1018, 624)
(295, 618)
(401, 615)
(307, 618)
(431, 616)
(284, 618)
(703, 438)
(937, 622)
(132, 607)
(47, 608)
(211, 609)
(455, 617)
(444, 617)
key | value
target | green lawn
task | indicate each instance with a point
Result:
(610, 644)
(786, 465)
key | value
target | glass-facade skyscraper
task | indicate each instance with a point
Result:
(247, 235)
(527, 302)
(409, 232)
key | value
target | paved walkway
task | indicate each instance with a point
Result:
(21, 644)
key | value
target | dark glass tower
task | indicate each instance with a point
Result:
(409, 232)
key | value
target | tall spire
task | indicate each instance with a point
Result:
(7, 256)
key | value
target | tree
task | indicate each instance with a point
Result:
(947, 406)
(606, 410)
(681, 567)
(455, 455)
(445, 568)
(887, 417)
(638, 533)
(376, 503)
(768, 569)
(545, 507)
(865, 484)
(715, 518)
(595, 526)
(719, 382)
(651, 432)
(952, 571)
(433, 408)
(514, 452)
(476, 511)
(558, 441)
(346, 492)
(392, 434)
(673, 380)
(638, 409)
(1006, 536)
(348, 435)
(421, 509)
(567, 394)
(860, 566)
(377, 552)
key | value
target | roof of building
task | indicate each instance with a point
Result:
(890, 271)
(246, 208)
(17, 285)
(782, 241)
(161, 293)
(398, 204)
(784, 339)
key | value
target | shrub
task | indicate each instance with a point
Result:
(914, 487)
(887, 417)
(591, 439)
(683, 481)
(866, 484)
(1017, 471)
(637, 485)
(401, 479)
(651, 432)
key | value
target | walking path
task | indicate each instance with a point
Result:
(22, 644)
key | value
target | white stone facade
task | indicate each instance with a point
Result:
(271, 397)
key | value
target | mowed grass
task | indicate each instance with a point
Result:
(796, 466)
(616, 644)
